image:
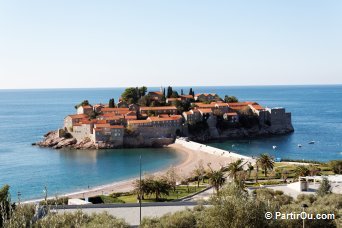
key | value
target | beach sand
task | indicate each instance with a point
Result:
(191, 158)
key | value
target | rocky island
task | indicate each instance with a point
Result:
(156, 118)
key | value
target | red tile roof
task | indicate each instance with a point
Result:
(78, 116)
(158, 108)
(156, 93)
(114, 109)
(187, 96)
(205, 110)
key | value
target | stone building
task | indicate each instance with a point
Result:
(108, 133)
(207, 97)
(86, 109)
(192, 117)
(170, 110)
(71, 120)
(157, 96)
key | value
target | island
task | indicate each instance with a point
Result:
(145, 118)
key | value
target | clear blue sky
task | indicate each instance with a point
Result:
(66, 43)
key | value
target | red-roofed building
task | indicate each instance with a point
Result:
(232, 117)
(157, 96)
(192, 116)
(71, 120)
(86, 109)
(207, 97)
(171, 110)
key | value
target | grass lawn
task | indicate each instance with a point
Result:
(181, 191)
(280, 167)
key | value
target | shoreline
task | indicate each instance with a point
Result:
(190, 159)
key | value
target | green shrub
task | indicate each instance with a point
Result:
(79, 219)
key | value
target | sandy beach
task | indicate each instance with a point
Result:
(191, 158)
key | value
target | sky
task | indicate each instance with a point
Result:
(81, 44)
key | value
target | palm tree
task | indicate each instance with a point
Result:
(234, 168)
(216, 178)
(256, 172)
(160, 187)
(301, 171)
(266, 162)
(250, 169)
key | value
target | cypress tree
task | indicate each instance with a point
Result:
(111, 103)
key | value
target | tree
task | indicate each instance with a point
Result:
(314, 170)
(171, 176)
(324, 188)
(301, 171)
(83, 103)
(230, 99)
(199, 172)
(336, 166)
(216, 178)
(160, 187)
(182, 93)
(142, 91)
(169, 91)
(266, 162)
(174, 94)
(234, 167)
(233, 207)
(250, 168)
(130, 95)
(111, 103)
(5, 204)
(190, 91)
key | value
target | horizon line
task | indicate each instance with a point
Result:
(154, 86)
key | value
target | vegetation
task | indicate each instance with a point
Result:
(152, 185)
(191, 92)
(216, 179)
(131, 95)
(55, 201)
(111, 103)
(80, 219)
(266, 162)
(234, 207)
(324, 188)
(336, 166)
(5, 204)
(234, 168)
(230, 99)
(83, 103)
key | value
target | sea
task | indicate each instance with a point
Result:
(26, 115)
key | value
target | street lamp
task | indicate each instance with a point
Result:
(304, 206)
(140, 188)
(19, 194)
(45, 192)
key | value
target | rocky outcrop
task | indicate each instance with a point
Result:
(52, 140)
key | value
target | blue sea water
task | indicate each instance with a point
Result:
(25, 115)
